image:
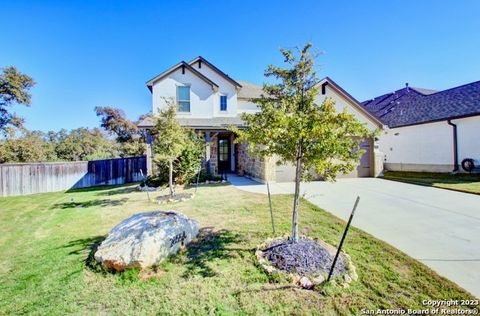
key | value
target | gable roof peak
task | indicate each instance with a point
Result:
(177, 66)
(328, 81)
(221, 73)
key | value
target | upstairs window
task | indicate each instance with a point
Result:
(223, 103)
(183, 98)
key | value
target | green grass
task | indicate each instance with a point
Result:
(469, 183)
(45, 265)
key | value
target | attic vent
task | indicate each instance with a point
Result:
(183, 70)
(324, 88)
(200, 64)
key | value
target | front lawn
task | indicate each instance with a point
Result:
(45, 242)
(469, 183)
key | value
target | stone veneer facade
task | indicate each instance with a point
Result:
(259, 168)
(245, 165)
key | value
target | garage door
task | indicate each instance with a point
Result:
(363, 169)
(286, 172)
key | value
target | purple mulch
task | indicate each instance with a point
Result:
(304, 257)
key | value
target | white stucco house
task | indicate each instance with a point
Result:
(210, 101)
(428, 130)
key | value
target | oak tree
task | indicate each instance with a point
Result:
(14, 89)
(294, 128)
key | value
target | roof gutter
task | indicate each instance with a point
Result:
(439, 120)
(455, 146)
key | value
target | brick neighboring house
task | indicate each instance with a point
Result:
(210, 101)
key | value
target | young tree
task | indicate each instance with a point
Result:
(14, 88)
(128, 135)
(294, 128)
(188, 163)
(169, 139)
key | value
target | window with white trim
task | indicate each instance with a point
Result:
(183, 98)
(223, 103)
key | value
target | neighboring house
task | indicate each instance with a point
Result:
(429, 130)
(210, 101)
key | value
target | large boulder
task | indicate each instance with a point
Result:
(145, 239)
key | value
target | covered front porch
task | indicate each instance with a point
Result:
(223, 156)
(221, 152)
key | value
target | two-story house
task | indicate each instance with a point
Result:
(210, 101)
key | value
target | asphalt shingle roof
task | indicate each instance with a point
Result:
(249, 90)
(410, 106)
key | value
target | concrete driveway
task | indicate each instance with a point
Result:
(440, 228)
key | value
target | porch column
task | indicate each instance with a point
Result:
(232, 153)
(207, 155)
(148, 145)
(210, 137)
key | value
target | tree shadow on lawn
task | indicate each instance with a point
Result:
(90, 244)
(210, 246)
(119, 190)
(91, 203)
(102, 188)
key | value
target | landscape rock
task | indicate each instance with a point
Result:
(347, 279)
(296, 279)
(306, 283)
(145, 239)
(353, 275)
(319, 279)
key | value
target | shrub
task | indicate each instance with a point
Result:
(186, 166)
(205, 176)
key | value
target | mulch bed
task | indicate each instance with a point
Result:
(305, 263)
(178, 197)
(304, 257)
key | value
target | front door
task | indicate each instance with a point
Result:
(224, 154)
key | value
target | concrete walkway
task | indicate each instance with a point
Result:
(440, 228)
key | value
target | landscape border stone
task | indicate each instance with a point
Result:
(178, 197)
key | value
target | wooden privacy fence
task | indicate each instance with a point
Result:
(29, 178)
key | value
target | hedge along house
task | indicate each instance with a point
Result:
(428, 130)
(209, 101)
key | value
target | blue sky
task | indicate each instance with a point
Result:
(84, 54)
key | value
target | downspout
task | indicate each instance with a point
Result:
(455, 146)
